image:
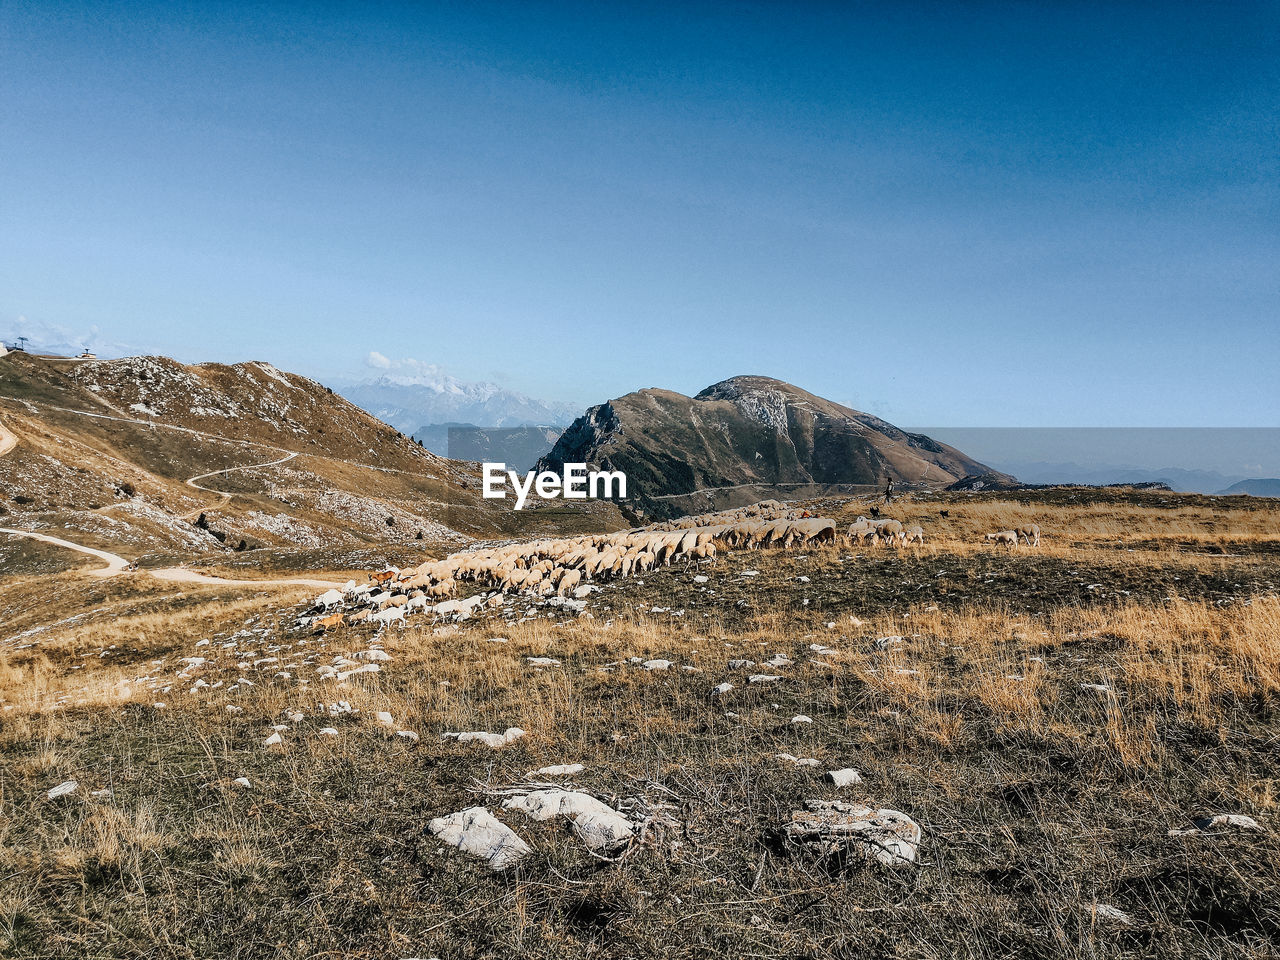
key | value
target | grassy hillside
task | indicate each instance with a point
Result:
(1054, 719)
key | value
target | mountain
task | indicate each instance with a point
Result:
(1264, 487)
(1186, 481)
(166, 462)
(414, 403)
(751, 434)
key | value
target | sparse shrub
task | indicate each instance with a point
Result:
(127, 489)
(241, 547)
(202, 522)
(391, 521)
(23, 499)
(418, 535)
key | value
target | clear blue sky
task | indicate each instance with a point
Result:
(962, 213)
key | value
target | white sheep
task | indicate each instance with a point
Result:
(384, 618)
(1008, 537)
(1030, 532)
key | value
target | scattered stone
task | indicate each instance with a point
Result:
(657, 664)
(384, 718)
(798, 761)
(831, 828)
(762, 678)
(597, 824)
(843, 778)
(884, 643)
(329, 731)
(801, 718)
(407, 735)
(242, 782)
(63, 789)
(1233, 821)
(478, 832)
(723, 688)
(494, 740)
(543, 661)
(275, 740)
(1104, 911)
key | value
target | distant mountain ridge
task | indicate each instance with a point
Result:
(413, 403)
(1259, 487)
(750, 432)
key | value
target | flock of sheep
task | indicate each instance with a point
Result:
(565, 566)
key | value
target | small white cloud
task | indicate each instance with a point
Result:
(377, 361)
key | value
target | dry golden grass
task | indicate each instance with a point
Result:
(1039, 795)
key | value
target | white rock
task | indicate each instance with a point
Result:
(1234, 821)
(1104, 911)
(798, 761)
(294, 716)
(658, 664)
(762, 678)
(384, 718)
(494, 740)
(242, 782)
(328, 731)
(844, 778)
(63, 789)
(885, 836)
(275, 740)
(597, 824)
(723, 688)
(373, 656)
(801, 718)
(408, 735)
(884, 643)
(700, 579)
(478, 832)
(543, 661)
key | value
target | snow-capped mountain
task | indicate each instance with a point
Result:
(410, 403)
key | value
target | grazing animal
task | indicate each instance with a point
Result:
(1030, 532)
(384, 617)
(913, 534)
(322, 624)
(382, 577)
(889, 530)
(328, 599)
(1008, 537)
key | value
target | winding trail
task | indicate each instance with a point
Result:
(226, 497)
(117, 564)
(225, 470)
(7, 440)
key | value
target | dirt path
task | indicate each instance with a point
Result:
(117, 565)
(7, 440)
(226, 497)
